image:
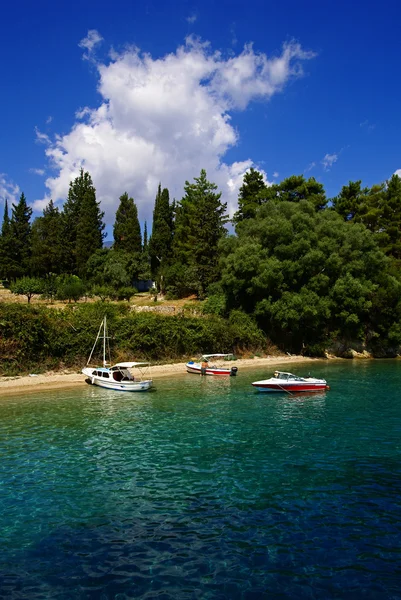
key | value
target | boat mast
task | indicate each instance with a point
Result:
(104, 341)
(103, 325)
(94, 345)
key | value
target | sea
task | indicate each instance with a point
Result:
(205, 489)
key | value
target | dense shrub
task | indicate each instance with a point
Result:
(39, 337)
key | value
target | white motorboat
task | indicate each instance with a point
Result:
(204, 366)
(122, 377)
(287, 382)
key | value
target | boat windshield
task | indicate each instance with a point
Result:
(287, 376)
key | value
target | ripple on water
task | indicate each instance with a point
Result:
(204, 489)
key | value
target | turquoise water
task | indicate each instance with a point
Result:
(205, 489)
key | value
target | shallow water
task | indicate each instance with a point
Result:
(205, 489)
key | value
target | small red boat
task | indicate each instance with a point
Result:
(287, 382)
(205, 368)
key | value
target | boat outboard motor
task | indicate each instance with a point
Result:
(233, 371)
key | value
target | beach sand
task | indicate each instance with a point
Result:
(53, 380)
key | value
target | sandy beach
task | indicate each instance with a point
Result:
(52, 380)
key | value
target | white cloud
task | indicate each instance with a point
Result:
(398, 172)
(49, 120)
(8, 190)
(89, 42)
(367, 125)
(275, 174)
(329, 160)
(192, 18)
(164, 119)
(37, 171)
(42, 138)
(311, 166)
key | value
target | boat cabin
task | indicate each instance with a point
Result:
(287, 376)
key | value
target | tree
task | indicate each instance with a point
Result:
(199, 227)
(251, 195)
(89, 230)
(351, 201)
(127, 231)
(307, 275)
(390, 221)
(27, 286)
(80, 187)
(20, 238)
(6, 264)
(162, 233)
(70, 287)
(47, 242)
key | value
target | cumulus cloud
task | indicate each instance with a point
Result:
(164, 119)
(329, 160)
(398, 172)
(8, 190)
(37, 171)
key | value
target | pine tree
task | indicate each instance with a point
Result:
(20, 239)
(199, 228)
(250, 195)
(89, 230)
(390, 222)
(5, 245)
(162, 232)
(127, 231)
(81, 186)
(47, 242)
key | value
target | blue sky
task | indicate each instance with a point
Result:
(290, 87)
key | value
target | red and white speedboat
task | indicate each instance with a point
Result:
(204, 367)
(287, 382)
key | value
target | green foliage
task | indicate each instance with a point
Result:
(251, 195)
(162, 233)
(70, 287)
(200, 219)
(39, 338)
(89, 230)
(215, 305)
(47, 242)
(80, 187)
(18, 241)
(307, 274)
(124, 293)
(27, 286)
(127, 231)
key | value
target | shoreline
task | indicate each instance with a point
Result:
(53, 381)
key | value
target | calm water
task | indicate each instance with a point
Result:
(205, 489)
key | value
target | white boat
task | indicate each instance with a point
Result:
(289, 383)
(204, 366)
(119, 376)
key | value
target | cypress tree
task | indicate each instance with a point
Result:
(5, 245)
(47, 242)
(162, 232)
(127, 231)
(20, 238)
(79, 187)
(89, 230)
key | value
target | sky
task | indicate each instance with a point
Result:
(139, 93)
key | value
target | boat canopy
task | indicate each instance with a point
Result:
(130, 365)
(216, 355)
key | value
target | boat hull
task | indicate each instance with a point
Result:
(123, 386)
(196, 370)
(289, 388)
